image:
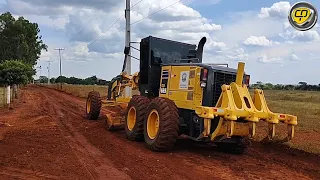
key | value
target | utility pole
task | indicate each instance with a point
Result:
(48, 67)
(60, 49)
(39, 67)
(128, 90)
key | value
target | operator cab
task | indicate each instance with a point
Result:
(155, 52)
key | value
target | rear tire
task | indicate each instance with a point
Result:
(161, 125)
(134, 118)
(93, 105)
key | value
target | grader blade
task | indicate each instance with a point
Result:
(115, 113)
(239, 113)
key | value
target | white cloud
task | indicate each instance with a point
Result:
(238, 55)
(286, 24)
(286, 49)
(86, 26)
(234, 33)
(294, 57)
(310, 35)
(215, 46)
(46, 7)
(84, 22)
(259, 41)
(277, 10)
(265, 59)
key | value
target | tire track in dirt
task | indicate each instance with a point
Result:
(26, 174)
(92, 158)
(28, 146)
(189, 160)
(41, 113)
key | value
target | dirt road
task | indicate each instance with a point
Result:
(49, 138)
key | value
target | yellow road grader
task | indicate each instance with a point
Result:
(177, 94)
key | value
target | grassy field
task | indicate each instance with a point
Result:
(80, 90)
(304, 104)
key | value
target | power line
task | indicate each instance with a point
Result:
(138, 20)
(108, 29)
(135, 4)
(155, 12)
(48, 68)
(117, 21)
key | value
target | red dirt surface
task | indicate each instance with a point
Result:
(49, 138)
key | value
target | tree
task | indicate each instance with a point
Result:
(19, 39)
(43, 79)
(91, 80)
(303, 85)
(289, 87)
(268, 86)
(52, 80)
(278, 86)
(61, 79)
(15, 72)
(74, 80)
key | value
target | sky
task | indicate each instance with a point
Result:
(255, 32)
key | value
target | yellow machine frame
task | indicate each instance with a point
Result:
(121, 102)
(235, 102)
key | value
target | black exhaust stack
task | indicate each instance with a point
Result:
(199, 52)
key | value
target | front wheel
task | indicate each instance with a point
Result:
(134, 118)
(161, 125)
(93, 105)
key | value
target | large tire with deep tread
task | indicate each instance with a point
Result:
(168, 131)
(94, 101)
(140, 104)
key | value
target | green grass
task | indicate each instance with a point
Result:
(80, 90)
(304, 104)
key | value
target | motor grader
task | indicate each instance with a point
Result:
(176, 94)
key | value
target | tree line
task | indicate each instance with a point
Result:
(300, 86)
(93, 80)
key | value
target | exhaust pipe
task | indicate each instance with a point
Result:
(200, 49)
